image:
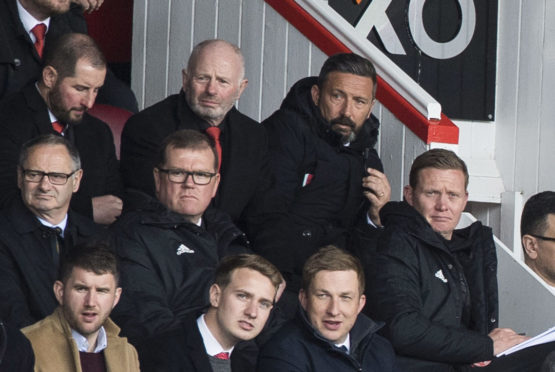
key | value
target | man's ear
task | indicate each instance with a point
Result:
(302, 298)
(217, 179)
(77, 176)
(407, 193)
(59, 291)
(361, 303)
(19, 178)
(49, 76)
(315, 93)
(371, 108)
(117, 296)
(242, 85)
(156, 175)
(530, 246)
(184, 78)
(215, 293)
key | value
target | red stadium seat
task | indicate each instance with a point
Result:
(115, 117)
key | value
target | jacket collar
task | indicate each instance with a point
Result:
(363, 328)
(112, 330)
(27, 222)
(404, 215)
(299, 100)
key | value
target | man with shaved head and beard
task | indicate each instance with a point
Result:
(212, 83)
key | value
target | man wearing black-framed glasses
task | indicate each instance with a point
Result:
(170, 247)
(537, 231)
(38, 229)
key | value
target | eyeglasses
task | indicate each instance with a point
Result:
(180, 176)
(543, 238)
(55, 178)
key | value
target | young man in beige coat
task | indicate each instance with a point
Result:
(79, 336)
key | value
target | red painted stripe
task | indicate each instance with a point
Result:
(443, 131)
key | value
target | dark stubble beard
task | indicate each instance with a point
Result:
(56, 106)
(343, 120)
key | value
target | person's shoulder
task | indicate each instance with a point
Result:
(164, 107)
(118, 345)
(84, 225)
(15, 217)
(282, 116)
(147, 221)
(93, 133)
(285, 125)
(289, 337)
(237, 116)
(153, 118)
(5, 217)
(12, 105)
(41, 329)
(129, 221)
(15, 97)
(93, 124)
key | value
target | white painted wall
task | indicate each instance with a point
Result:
(276, 56)
(525, 114)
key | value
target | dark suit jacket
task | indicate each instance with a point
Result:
(182, 350)
(244, 173)
(27, 267)
(19, 61)
(24, 115)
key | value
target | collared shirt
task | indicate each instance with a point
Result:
(62, 225)
(29, 22)
(83, 344)
(346, 343)
(211, 345)
(50, 114)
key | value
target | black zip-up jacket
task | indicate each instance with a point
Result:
(299, 347)
(437, 297)
(299, 216)
(167, 265)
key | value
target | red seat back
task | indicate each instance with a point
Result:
(115, 117)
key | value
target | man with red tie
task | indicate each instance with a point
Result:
(26, 26)
(241, 298)
(74, 70)
(212, 83)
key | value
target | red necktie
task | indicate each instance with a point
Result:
(39, 31)
(214, 132)
(222, 355)
(57, 127)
